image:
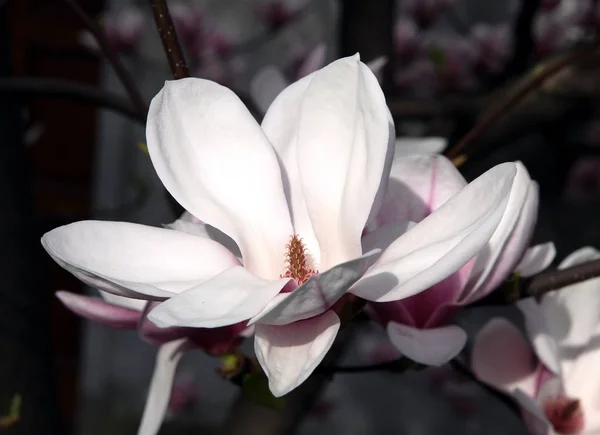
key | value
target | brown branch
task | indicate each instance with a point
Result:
(556, 279)
(532, 82)
(126, 79)
(169, 39)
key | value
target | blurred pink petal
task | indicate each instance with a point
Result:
(99, 311)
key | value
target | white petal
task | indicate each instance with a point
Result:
(197, 228)
(420, 145)
(342, 136)
(384, 236)
(317, 294)
(537, 327)
(536, 259)
(214, 159)
(502, 358)
(266, 85)
(443, 242)
(97, 310)
(534, 416)
(492, 266)
(419, 184)
(433, 347)
(289, 354)
(159, 394)
(135, 260)
(231, 297)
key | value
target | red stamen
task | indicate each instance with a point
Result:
(565, 414)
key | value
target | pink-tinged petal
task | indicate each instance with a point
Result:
(314, 61)
(436, 305)
(289, 354)
(343, 137)
(317, 294)
(159, 393)
(420, 145)
(508, 243)
(502, 358)
(120, 301)
(419, 184)
(434, 347)
(536, 259)
(573, 312)
(231, 297)
(536, 325)
(533, 414)
(212, 156)
(135, 260)
(188, 224)
(266, 85)
(443, 242)
(96, 310)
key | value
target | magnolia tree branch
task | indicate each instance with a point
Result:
(122, 73)
(168, 36)
(553, 280)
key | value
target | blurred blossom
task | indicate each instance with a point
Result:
(405, 38)
(276, 13)
(553, 374)
(187, 19)
(418, 79)
(183, 395)
(124, 28)
(426, 12)
(583, 180)
(558, 28)
(549, 5)
(493, 44)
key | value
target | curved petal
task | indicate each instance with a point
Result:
(433, 347)
(159, 394)
(214, 159)
(420, 145)
(536, 259)
(536, 325)
(533, 415)
(231, 297)
(135, 260)
(96, 310)
(120, 301)
(266, 84)
(419, 184)
(443, 242)
(385, 235)
(508, 243)
(289, 354)
(502, 358)
(197, 228)
(343, 132)
(317, 294)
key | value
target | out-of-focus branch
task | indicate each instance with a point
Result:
(530, 83)
(168, 36)
(523, 42)
(34, 87)
(126, 79)
(553, 280)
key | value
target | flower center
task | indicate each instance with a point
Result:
(297, 261)
(565, 414)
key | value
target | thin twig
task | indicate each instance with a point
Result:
(556, 279)
(34, 87)
(169, 39)
(531, 83)
(126, 79)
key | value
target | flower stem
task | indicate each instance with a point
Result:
(168, 36)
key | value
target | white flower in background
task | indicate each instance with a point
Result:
(554, 377)
(294, 194)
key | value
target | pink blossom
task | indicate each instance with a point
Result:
(426, 12)
(493, 44)
(124, 29)
(552, 375)
(419, 325)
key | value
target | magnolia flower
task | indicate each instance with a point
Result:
(493, 44)
(554, 377)
(426, 12)
(293, 195)
(405, 38)
(187, 19)
(420, 185)
(124, 28)
(124, 313)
